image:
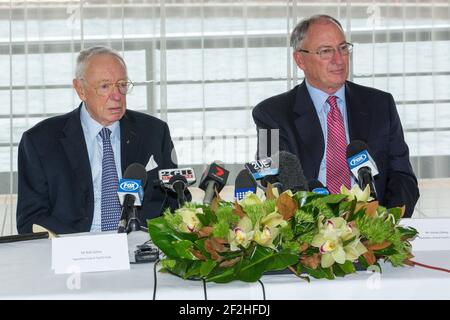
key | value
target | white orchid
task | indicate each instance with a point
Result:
(242, 235)
(190, 222)
(330, 239)
(356, 192)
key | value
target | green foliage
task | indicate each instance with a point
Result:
(255, 212)
(228, 254)
(225, 219)
(221, 229)
(375, 230)
(269, 206)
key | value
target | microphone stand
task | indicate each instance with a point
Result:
(133, 223)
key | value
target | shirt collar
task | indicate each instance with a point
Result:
(92, 127)
(319, 97)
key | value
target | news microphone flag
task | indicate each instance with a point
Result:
(362, 159)
(165, 175)
(261, 168)
(131, 187)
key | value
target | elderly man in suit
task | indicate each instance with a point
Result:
(320, 117)
(69, 165)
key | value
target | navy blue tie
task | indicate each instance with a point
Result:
(110, 205)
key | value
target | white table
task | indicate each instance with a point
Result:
(25, 273)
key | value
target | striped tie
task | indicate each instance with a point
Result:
(338, 173)
(110, 205)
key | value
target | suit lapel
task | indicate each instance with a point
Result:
(129, 142)
(309, 131)
(357, 113)
(74, 145)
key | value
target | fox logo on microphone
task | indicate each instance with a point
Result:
(361, 159)
(133, 187)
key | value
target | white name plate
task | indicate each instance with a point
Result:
(90, 253)
(434, 234)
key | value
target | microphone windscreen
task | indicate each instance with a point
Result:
(245, 180)
(356, 146)
(244, 183)
(136, 171)
(291, 173)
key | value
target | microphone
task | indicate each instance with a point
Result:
(264, 171)
(131, 194)
(291, 173)
(284, 172)
(362, 165)
(177, 180)
(317, 187)
(214, 178)
(262, 168)
(244, 183)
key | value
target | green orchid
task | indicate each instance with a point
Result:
(250, 199)
(354, 249)
(242, 235)
(273, 220)
(190, 222)
(356, 192)
(330, 239)
(266, 236)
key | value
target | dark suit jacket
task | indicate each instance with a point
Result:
(372, 118)
(54, 174)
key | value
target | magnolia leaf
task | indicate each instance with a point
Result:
(303, 247)
(183, 248)
(217, 244)
(311, 262)
(221, 275)
(333, 198)
(347, 267)
(229, 263)
(217, 194)
(369, 207)
(215, 204)
(407, 233)
(408, 260)
(207, 267)
(319, 273)
(193, 271)
(198, 255)
(269, 192)
(338, 272)
(397, 212)
(370, 257)
(293, 271)
(381, 246)
(205, 231)
(163, 236)
(238, 210)
(212, 247)
(286, 206)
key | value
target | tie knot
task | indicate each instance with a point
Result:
(105, 133)
(332, 101)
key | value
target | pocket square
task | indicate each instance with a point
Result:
(151, 164)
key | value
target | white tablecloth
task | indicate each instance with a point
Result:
(25, 273)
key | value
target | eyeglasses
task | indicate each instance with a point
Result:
(327, 53)
(106, 88)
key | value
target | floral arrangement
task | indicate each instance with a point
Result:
(323, 236)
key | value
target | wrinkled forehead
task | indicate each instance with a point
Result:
(105, 67)
(323, 33)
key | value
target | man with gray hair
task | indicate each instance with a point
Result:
(317, 119)
(69, 165)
